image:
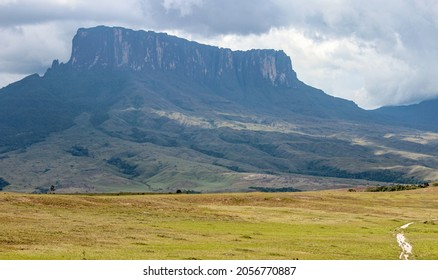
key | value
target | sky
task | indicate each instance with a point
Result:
(372, 52)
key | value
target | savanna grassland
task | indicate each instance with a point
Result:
(332, 224)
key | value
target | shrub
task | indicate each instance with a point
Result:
(78, 151)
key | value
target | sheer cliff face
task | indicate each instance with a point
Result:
(124, 49)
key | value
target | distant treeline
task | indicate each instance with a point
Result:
(396, 188)
(271, 189)
(187, 192)
(318, 168)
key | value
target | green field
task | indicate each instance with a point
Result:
(333, 224)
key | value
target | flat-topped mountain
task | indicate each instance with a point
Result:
(262, 79)
(123, 49)
(145, 111)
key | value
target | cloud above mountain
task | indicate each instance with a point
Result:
(374, 53)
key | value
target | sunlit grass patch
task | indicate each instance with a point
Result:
(307, 225)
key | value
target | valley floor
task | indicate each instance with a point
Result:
(332, 224)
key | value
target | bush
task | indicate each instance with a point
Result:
(78, 151)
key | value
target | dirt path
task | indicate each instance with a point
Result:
(404, 245)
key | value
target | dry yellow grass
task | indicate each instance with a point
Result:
(309, 225)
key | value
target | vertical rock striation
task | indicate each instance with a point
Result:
(123, 49)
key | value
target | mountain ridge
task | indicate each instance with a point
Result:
(423, 115)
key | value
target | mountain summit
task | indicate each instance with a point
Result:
(145, 111)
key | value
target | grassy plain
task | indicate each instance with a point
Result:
(310, 225)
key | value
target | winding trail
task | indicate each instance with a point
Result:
(404, 245)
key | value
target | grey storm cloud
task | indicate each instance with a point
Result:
(372, 52)
(388, 47)
(215, 17)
